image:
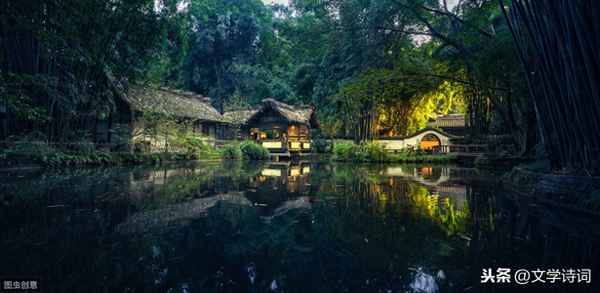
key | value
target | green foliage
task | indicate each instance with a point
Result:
(253, 151)
(231, 152)
(321, 145)
(69, 59)
(365, 152)
(370, 152)
(344, 151)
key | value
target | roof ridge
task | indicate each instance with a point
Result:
(187, 94)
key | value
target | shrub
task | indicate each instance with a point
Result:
(344, 151)
(322, 146)
(371, 152)
(30, 146)
(253, 151)
(231, 152)
(365, 152)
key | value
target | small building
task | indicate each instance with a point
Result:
(281, 128)
(130, 122)
(451, 123)
(428, 139)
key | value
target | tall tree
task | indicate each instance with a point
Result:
(558, 47)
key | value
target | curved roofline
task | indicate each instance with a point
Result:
(439, 131)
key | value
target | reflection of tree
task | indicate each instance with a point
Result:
(513, 230)
(384, 191)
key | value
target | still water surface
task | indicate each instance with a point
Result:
(280, 227)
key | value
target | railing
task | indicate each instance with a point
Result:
(468, 148)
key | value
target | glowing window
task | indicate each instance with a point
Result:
(271, 172)
(295, 172)
(292, 130)
(272, 144)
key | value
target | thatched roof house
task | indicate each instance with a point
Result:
(128, 122)
(240, 117)
(294, 114)
(277, 126)
(175, 103)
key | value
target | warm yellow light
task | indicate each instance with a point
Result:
(271, 172)
(295, 172)
(272, 144)
(263, 135)
(306, 170)
(295, 145)
(306, 145)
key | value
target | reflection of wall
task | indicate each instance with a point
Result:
(426, 175)
(435, 180)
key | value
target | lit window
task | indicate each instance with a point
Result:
(292, 130)
(271, 172)
(272, 144)
(295, 172)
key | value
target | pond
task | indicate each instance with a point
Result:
(281, 227)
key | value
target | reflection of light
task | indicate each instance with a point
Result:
(295, 145)
(271, 172)
(383, 196)
(272, 144)
(394, 171)
(306, 170)
(306, 145)
(295, 172)
(263, 135)
(426, 170)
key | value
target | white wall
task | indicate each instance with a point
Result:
(412, 142)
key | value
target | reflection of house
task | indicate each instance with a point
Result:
(277, 181)
(133, 111)
(279, 127)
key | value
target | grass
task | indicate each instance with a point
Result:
(370, 152)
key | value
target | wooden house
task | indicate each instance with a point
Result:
(281, 128)
(128, 124)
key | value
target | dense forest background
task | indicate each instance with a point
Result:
(369, 66)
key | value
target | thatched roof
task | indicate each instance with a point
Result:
(296, 114)
(291, 113)
(173, 102)
(239, 117)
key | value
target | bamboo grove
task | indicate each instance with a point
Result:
(558, 44)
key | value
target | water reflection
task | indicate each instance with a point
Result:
(275, 227)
